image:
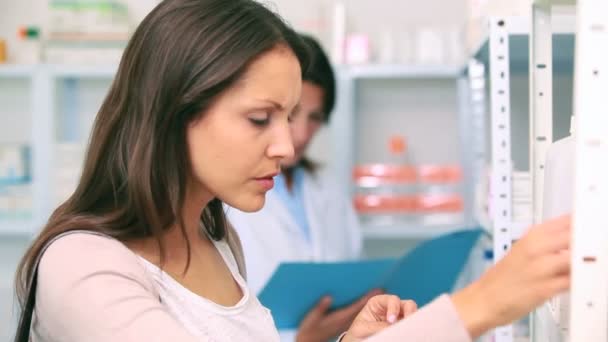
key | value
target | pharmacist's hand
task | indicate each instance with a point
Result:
(320, 325)
(536, 268)
(380, 312)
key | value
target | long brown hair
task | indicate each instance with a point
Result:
(179, 59)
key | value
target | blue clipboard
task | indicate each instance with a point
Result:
(429, 270)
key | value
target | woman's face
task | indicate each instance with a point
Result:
(306, 121)
(236, 147)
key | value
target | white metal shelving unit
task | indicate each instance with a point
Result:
(397, 71)
(17, 70)
(589, 294)
(545, 320)
(502, 205)
(516, 43)
(38, 85)
(43, 82)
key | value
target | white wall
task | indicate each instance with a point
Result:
(425, 112)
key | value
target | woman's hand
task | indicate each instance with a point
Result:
(379, 312)
(536, 268)
(319, 325)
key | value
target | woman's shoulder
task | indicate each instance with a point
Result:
(93, 288)
(77, 246)
(81, 255)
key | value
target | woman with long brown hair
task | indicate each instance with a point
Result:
(198, 114)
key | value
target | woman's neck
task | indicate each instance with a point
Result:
(176, 239)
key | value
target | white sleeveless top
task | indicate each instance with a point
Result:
(248, 320)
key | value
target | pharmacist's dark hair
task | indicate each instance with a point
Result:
(320, 73)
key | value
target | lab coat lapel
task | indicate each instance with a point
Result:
(314, 204)
(275, 206)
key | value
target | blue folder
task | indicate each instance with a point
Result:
(428, 271)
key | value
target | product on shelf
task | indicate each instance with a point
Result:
(29, 49)
(440, 174)
(377, 174)
(380, 174)
(15, 182)
(14, 164)
(16, 202)
(3, 53)
(357, 49)
(85, 32)
(439, 203)
(397, 144)
(69, 158)
(371, 204)
(408, 204)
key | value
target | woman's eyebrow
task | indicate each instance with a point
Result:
(274, 104)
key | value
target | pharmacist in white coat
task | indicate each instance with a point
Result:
(305, 218)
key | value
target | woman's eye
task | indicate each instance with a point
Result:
(260, 120)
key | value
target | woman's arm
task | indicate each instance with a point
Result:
(92, 288)
(436, 322)
(535, 269)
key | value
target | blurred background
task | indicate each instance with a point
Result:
(402, 141)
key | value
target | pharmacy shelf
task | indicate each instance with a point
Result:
(518, 229)
(16, 227)
(371, 71)
(518, 29)
(546, 327)
(587, 306)
(17, 70)
(58, 70)
(44, 80)
(383, 71)
(408, 231)
(563, 52)
(82, 71)
(346, 116)
(556, 2)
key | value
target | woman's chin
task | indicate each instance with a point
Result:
(250, 204)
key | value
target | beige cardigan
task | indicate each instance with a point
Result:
(93, 288)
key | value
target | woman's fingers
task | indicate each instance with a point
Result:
(408, 307)
(391, 305)
(550, 236)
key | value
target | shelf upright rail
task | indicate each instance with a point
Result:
(473, 126)
(541, 100)
(501, 178)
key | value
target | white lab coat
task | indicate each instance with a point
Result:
(271, 236)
